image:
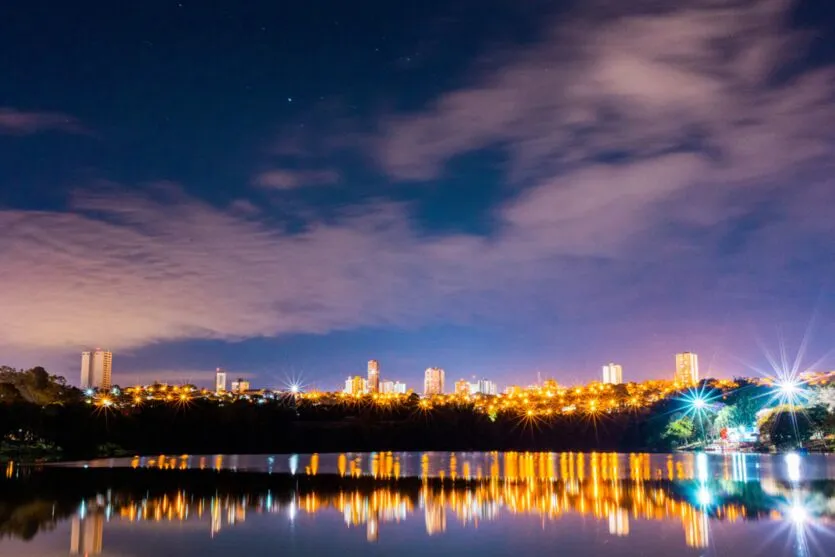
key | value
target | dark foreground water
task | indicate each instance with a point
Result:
(410, 504)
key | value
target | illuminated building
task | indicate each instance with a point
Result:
(86, 532)
(485, 387)
(687, 368)
(240, 386)
(96, 369)
(220, 381)
(392, 387)
(433, 381)
(462, 387)
(550, 385)
(613, 374)
(373, 382)
(513, 390)
(355, 385)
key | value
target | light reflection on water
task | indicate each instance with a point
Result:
(695, 492)
(505, 465)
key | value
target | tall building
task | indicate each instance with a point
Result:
(386, 387)
(462, 387)
(613, 374)
(96, 369)
(356, 385)
(240, 386)
(220, 381)
(486, 387)
(373, 376)
(399, 388)
(687, 368)
(433, 381)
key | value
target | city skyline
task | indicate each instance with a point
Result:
(684, 371)
(543, 189)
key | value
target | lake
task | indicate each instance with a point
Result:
(411, 504)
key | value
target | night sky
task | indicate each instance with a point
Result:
(498, 188)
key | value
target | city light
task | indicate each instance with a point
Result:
(793, 466)
(789, 391)
(798, 513)
(704, 497)
(523, 485)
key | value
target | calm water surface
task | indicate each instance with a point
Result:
(484, 504)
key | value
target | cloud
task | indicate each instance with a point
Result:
(657, 162)
(621, 84)
(125, 270)
(282, 179)
(16, 122)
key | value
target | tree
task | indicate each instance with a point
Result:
(746, 402)
(9, 394)
(788, 427)
(681, 429)
(825, 396)
(34, 385)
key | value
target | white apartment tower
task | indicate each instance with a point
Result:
(220, 381)
(613, 374)
(687, 368)
(96, 369)
(433, 381)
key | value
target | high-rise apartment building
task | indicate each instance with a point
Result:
(96, 369)
(486, 387)
(392, 387)
(687, 368)
(373, 376)
(240, 386)
(613, 374)
(433, 381)
(462, 387)
(220, 381)
(356, 385)
(386, 387)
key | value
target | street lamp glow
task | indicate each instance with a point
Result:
(788, 387)
(699, 403)
(294, 388)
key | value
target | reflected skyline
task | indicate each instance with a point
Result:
(433, 495)
(470, 489)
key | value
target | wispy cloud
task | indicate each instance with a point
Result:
(631, 135)
(667, 98)
(17, 122)
(125, 270)
(283, 179)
